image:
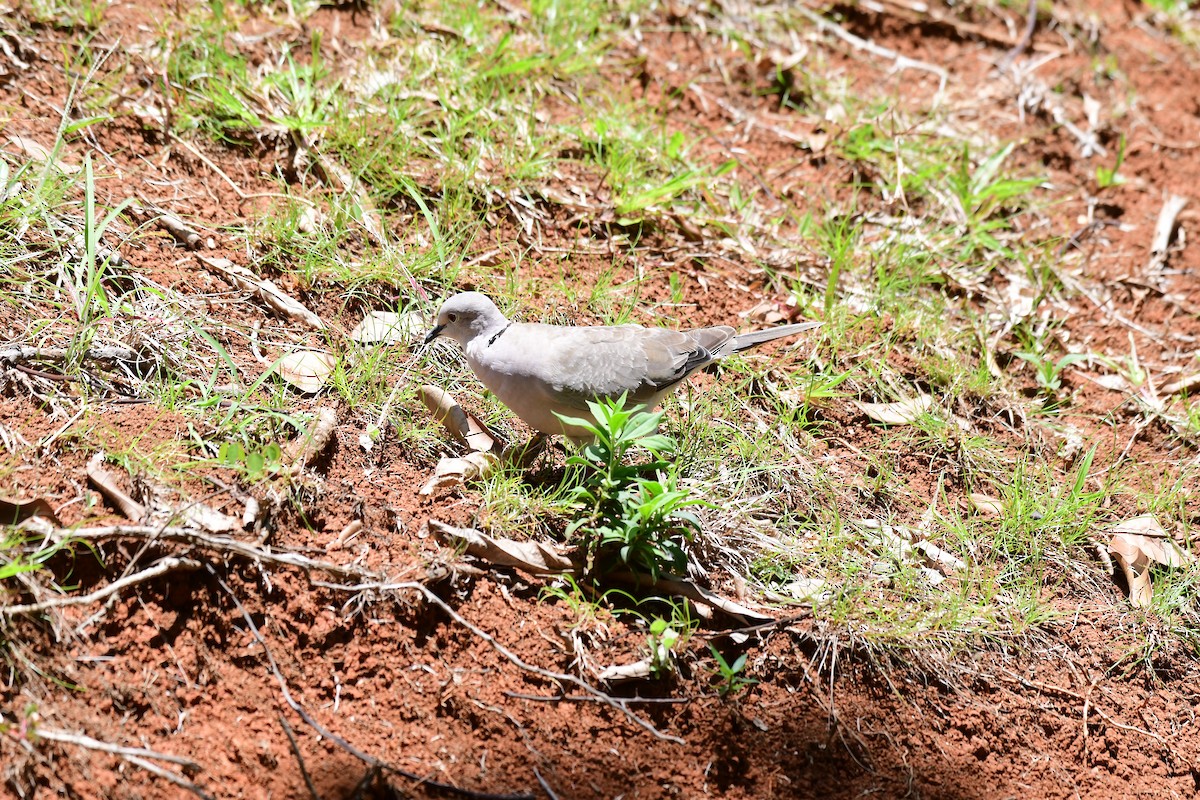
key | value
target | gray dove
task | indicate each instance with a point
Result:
(538, 370)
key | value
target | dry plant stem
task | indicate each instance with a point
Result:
(336, 176)
(1025, 41)
(172, 224)
(162, 567)
(291, 737)
(21, 354)
(902, 61)
(167, 775)
(105, 482)
(88, 743)
(366, 758)
(550, 793)
(137, 756)
(558, 677)
(221, 544)
(278, 301)
(1163, 230)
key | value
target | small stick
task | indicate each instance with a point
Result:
(902, 61)
(516, 660)
(88, 743)
(217, 542)
(545, 786)
(291, 737)
(1025, 40)
(179, 781)
(164, 566)
(105, 481)
(1163, 230)
(333, 737)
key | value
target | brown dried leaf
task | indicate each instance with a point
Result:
(13, 512)
(902, 412)
(307, 370)
(461, 425)
(535, 558)
(1135, 545)
(36, 152)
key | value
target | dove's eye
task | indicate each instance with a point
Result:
(452, 317)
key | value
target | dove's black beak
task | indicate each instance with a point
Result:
(433, 334)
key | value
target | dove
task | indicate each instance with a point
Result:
(540, 371)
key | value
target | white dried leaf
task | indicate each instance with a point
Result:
(902, 412)
(388, 327)
(985, 505)
(536, 558)
(36, 152)
(457, 471)
(307, 370)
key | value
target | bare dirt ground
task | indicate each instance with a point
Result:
(174, 665)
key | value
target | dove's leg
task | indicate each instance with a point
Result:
(525, 454)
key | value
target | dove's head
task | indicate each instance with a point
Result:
(465, 316)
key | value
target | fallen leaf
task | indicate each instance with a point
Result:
(461, 425)
(1135, 545)
(638, 670)
(985, 505)
(1184, 384)
(388, 327)
(307, 370)
(37, 152)
(457, 471)
(13, 512)
(902, 412)
(535, 558)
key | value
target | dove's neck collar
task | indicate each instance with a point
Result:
(498, 334)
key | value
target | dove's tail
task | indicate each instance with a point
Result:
(744, 341)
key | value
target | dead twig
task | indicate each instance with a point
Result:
(106, 483)
(1163, 231)
(180, 231)
(169, 564)
(879, 51)
(138, 756)
(1025, 40)
(291, 737)
(275, 298)
(221, 544)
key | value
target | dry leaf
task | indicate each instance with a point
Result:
(902, 412)
(37, 152)
(461, 425)
(106, 482)
(457, 471)
(639, 670)
(1136, 544)
(532, 557)
(13, 512)
(307, 370)
(1185, 384)
(388, 327)
(985, 505)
